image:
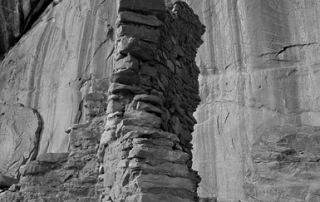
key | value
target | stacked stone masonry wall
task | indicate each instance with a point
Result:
(153, 94)
(136, 144)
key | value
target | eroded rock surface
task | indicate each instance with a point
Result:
(146, 146)
(19, 137)
(54, 65)
(143, 114)
(16, 17)
(259, 67)
(62, 176)
(285, 165)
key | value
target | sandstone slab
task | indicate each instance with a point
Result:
(147, 117)
(128, 62)
(131, 17)
(33, 168)
(160, 154)
(19, 137)
(53, 157)
(6, 182)
(137, 48)
(151, 181)
(154, 7)
(130, 132)
(140, 32)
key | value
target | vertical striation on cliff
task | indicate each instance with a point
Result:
(128, 86)
(259, 70)
(54, 65)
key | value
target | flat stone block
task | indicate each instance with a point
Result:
(150, 181)
(117, 88)
(136, 18)
(165, 155)
(127, 76)
(34, 168)
(140, 32)
(128, 62)
(153, 7)
(6, 181)
(136, 47)
(149, 98)
(148, 118)
(53, 157)
(140, 131)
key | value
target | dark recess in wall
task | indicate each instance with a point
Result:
(16, 20)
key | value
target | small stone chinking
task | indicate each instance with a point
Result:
(146, 146)
(136, 145)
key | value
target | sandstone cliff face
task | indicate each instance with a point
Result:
(256, 137)
(56, 63)
(144, 117)
(259, 69)
(16, 18)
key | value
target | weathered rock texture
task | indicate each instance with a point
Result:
(146, 147)
(62, 176)
(144, 117)
(19, 138)
(16, 17)
(259, 69)
(285, 165)
(53, 66)
(259, 72)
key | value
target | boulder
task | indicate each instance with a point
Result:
(19, 137)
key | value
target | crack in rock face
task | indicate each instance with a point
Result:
(139, 121)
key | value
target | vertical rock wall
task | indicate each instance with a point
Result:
(259, 78)
(259, 72)
(16, 17)
(146, 147)
(67, 53)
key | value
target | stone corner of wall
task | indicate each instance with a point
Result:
(146, 146)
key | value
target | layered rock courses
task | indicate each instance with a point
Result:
(146, 147)
(135, 144)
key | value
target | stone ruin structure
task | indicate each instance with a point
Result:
(257, 132)
(135, 144)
